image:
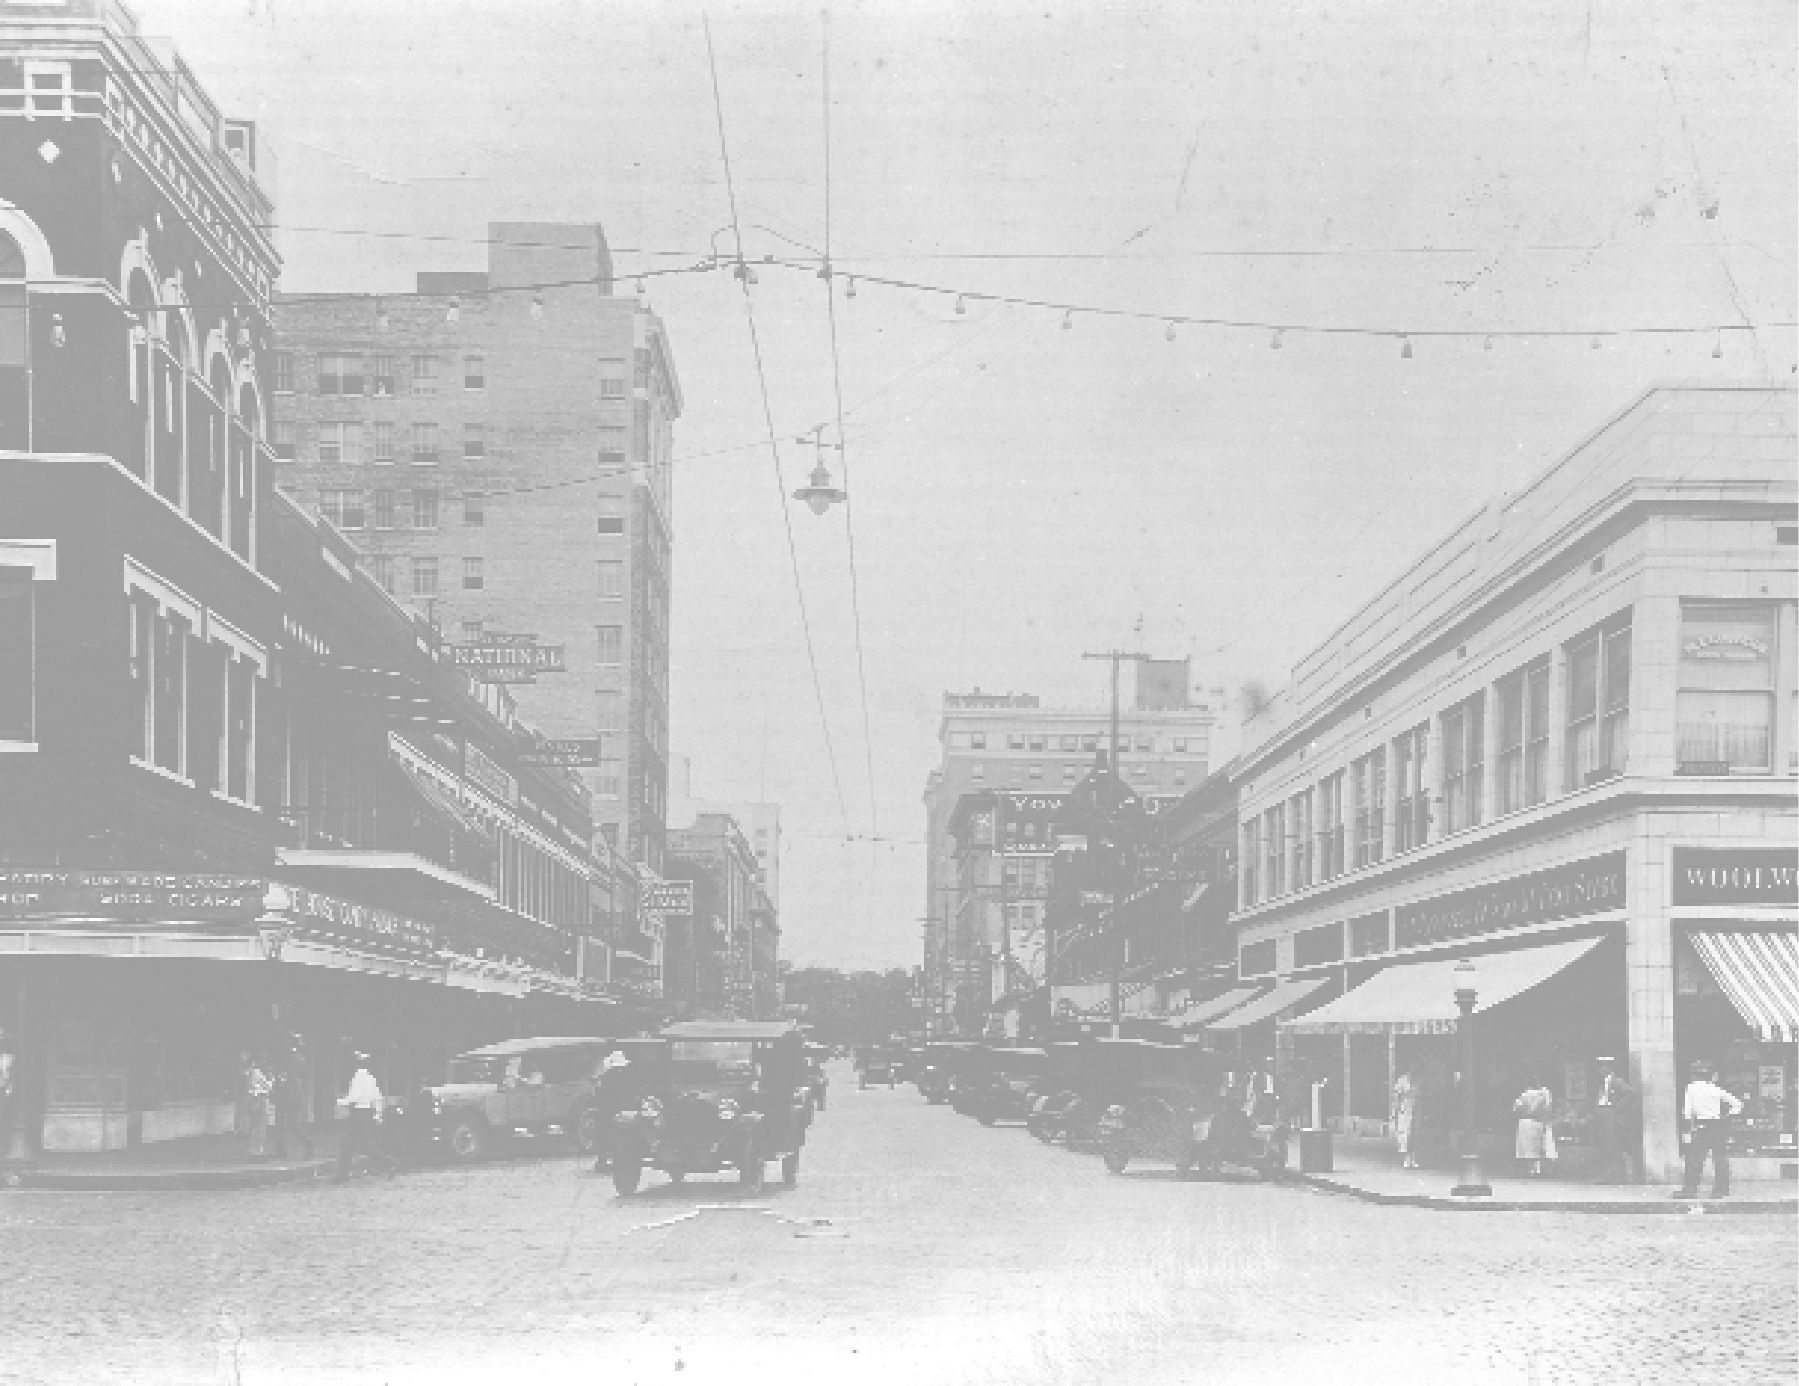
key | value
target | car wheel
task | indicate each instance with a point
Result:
(790, 1169)
(677, 1176)
(586, 1126)
(626, 1174)
(751, 1177)
(985, 1117)
(1183, 1162)
(468, 1139)
(1116, 1159)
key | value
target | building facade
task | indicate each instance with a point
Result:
(742, 944)
(498, 446)
(241, 799)
(1561, 746)
(1025, 758)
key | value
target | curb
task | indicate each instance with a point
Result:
(1639, 1206)
(236, 1177)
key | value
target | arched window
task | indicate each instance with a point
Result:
(15, 389)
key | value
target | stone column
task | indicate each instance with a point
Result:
(1654, 679)
(1649, 996)
(1555, 770)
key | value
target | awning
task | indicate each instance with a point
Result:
(1419, 998)
(444, 803)
(1284, 997)
(1195, 1016)
(1760, 975)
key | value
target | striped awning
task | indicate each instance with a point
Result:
(1201, 1012)
(1759, 972)
(1285, 996)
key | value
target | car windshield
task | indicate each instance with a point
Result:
(713, 1058)
(477, 1068)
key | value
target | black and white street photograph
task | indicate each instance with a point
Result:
(899, 693)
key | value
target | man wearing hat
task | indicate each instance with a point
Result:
(362, 1108)
(615, 1091)
(1706, 1112)
(1620, 1125)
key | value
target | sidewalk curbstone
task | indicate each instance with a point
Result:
(1639, 1206)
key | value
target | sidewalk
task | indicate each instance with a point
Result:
(1368, 1168)
(203, 1162)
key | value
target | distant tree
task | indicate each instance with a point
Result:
(852, 1008)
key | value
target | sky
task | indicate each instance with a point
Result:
(1028, 483)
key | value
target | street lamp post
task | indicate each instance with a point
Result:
(1473, 1183)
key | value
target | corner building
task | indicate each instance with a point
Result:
(498, 447)
(1562, 746)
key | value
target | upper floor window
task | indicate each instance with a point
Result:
(474, 575)
(424, 577)
(339, 374)
(424, 444)
(1464, 773)
(1330, 827)
(384, 443)
(384, 508)
(1523, 737)
(474, 508)
(1299, 813)
(612, 515)
(340, 442)
(18, 677)
(977, 741)
(611, 643)
(612, 386)
(281, 369)
(381, 376)
(1036, 743)
(1598, 706)
(612, 578)
(1411, 808)
(1725, 703)
(1369, 776)
(474, 441)
(381, 568)
(424, 508)
(1274, 849)
(1014, 741)
(424, 375)
(474, 372)
(286, 439)
(1250, 858)
(49, 89)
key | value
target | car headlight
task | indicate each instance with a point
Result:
(727, 1109)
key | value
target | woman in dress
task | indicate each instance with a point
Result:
(1404, 1117)
(1532, 1109)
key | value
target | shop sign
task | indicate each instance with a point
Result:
(313, 912)
(149, 896)
(1725, 876)
(1563, 892)
(669, 897)
(585, 753)
(1027, 824)
(482, 770)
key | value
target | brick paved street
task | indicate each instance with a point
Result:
(953, 1254)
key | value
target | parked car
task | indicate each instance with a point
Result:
(728, 1095)
(878, 1063)
(1006, 1084)
(943, 1059)
(1059, 1097)
(519, 1089)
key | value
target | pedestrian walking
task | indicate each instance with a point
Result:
(1535, 1142)
(258, 1088)
(1404, 1116)
(1620, 1112)
(615, 1090)
(293, 1086)
(1706, 1113)
(362, 1103)
(9, 1083)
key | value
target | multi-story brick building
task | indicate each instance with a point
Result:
(1012, 748)
(739, 946)
(498, 447)
(1562, 747)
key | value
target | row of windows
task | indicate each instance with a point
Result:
(422, 573)
(1093, 741)
(339, 442)
(418, 508)
(196, 702)
(1501, 751)
(350, 373)
(1071, 774)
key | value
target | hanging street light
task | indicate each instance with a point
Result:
(821, 493)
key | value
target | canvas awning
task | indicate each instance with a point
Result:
(1285, 996)
(1419, 998)
(1759, 972)
(1197, 1015)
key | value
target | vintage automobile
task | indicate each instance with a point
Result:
(943, 1060)
(728, 1096)
(1005, 1084)
(1059, 1096)
(1250, 1133)
(818, 1082)
(878, 1063)
(1177, 1106)
(519, 1089)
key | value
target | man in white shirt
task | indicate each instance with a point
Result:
(362, 1108)
(1706, 1113)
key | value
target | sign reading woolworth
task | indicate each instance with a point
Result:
(1562, 892)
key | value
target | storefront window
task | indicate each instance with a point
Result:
(1725, 711)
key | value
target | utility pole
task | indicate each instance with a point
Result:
(1117, 657)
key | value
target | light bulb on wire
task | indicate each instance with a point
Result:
(1405, 348)
(1068, 320)
(1169, 334)
(1274, 342)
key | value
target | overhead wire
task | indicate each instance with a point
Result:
(774, 448)
(849, 524)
